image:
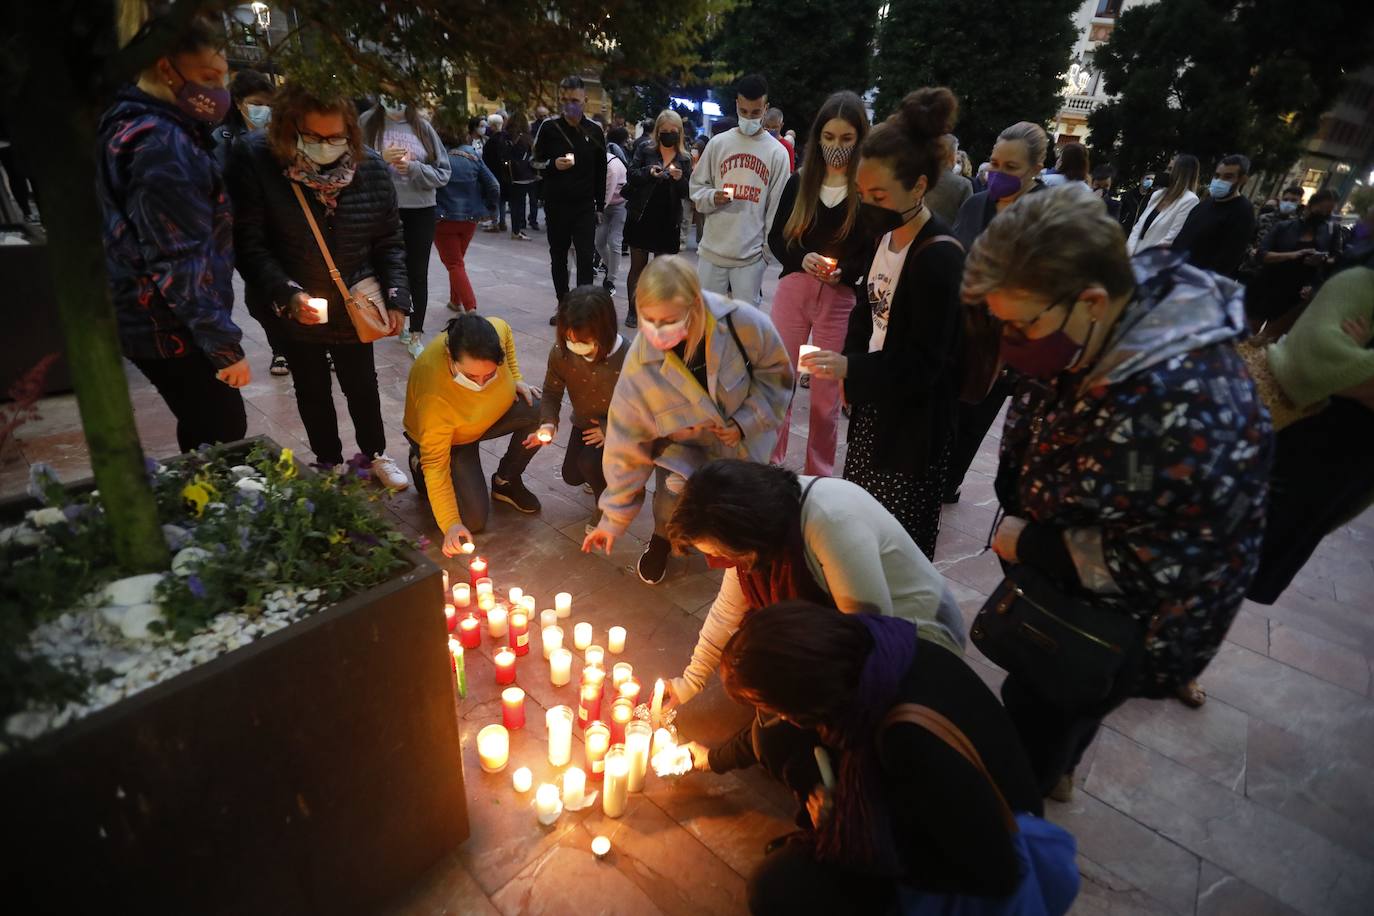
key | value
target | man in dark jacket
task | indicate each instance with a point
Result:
(496, 153)
(1219, 229)
(168, 230)
(1133, 201)
(570, 153)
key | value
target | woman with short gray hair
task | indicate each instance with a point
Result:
(1135, 459)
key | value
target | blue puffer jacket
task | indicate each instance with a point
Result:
(168, 230)
(472, 191)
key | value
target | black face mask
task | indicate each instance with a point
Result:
(881, 220)
(668, 138)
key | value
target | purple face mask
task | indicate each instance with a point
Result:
(1001, 185)
(204, 103)
(1045, 357)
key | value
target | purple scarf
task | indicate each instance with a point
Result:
(858, 832)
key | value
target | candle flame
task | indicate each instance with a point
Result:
(669, 759)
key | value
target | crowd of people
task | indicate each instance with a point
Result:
(1191, 409)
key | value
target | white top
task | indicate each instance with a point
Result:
(832, 195)
(1165, 227)
(882, 284)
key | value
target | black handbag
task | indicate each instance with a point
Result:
(1067, 650)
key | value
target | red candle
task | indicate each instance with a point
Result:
(588, 704)
(505, 666)
(520, 632)
(470, 632)
(629, 688)
(513, 707)
(622, 712)
(477, 569)
(595, 677)
(450, 616)
(596, 742)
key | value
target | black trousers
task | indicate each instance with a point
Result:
(417, 225)
(357, 372)
(971, 427)
(570, 224)
(207, 410)
(534, 192)
(518, 193)
(582, 464)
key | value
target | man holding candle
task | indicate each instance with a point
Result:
(465, 388)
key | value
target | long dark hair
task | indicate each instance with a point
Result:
(746, 506)
(848, 107)
(911, 140)
(374, 123)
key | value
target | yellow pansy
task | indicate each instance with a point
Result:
(286, 464)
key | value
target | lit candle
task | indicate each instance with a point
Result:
(470, 632)
(559, 721)
(630, 690)
(520, 632)
(802, 354)
(497, 623)
(513, 708)
(560, 667)
(477, 569)
(830, 263)
(462, 594)
(460, 668)
(588, 704)
(668, 758)
(582, 636)
(485, 603)
(450, 617)
(574, 787)
(622, 712)
(615, 794)
(596, 742)
(321, 308)
(553, 639)
(597, 678)
(546, 804)
(615, 640)
(484, 587)
(637, 737)
(562, 603)
(468, 546)
(516, 593)
(548, 618)
(527, 602)
(601, 846)
(505, 666)
(546, 434)
(730, 193)
(445, 574)
(522, 780)
(621, 673)
(493, 748)
(656, 708)
(595, 656)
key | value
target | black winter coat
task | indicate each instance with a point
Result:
(640, 183)
(276, 251)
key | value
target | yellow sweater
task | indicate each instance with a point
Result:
(440, 414)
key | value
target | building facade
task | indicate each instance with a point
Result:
(1083, 89)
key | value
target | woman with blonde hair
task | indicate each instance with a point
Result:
(824, 251)
(655, 188)
(707, 377)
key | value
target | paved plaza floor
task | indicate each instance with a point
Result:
(1260, 802)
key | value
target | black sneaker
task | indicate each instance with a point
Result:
(279, 366)
(553, 320)
(653, 562)
(950, 497)
(806, 380)
(513, 492)
(631, 319)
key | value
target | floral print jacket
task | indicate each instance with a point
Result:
(1154, 468)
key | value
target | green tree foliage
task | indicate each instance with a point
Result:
(1005, 61)
(1211, 77)
(805, 50)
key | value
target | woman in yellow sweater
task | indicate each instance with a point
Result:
(464, 388)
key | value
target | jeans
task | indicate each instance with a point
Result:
(806, 307)
(418, 227)
(357, 372)
(582, 463)
(742, 283)
(608, 236)
(570, 225)
(465, 463)
(207, 410)
(452, 238)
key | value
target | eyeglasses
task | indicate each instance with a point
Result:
(327, 141)
(1016, 330)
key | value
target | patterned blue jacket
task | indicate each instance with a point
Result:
(168, 231)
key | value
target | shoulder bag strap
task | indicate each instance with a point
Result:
(942, 728)
(937, 238)
(748, 364)
(319, 240)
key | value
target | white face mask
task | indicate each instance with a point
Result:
(321, 153)
(585, 350)
(750, 126)
(470, 385)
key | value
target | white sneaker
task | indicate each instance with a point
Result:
(389, 473)
(404, 336)
(416, 345)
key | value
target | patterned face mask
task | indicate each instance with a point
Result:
(837, 154)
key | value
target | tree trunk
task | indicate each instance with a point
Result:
(57, 141)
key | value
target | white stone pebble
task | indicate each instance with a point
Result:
(186, 560)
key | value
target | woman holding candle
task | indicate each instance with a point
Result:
(311, 156)
(824, 249)
(657, 184)
(899, 366)
(707, 377)
(933, 797)
(585, 361)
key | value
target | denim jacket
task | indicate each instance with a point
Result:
(472, 191)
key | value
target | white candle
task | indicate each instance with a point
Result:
(546, 803)
(621, 673)
(637, 737)
(496, 621)
(615, 793)
(486, 602)
(802, 353)
(560, 667)
(656, 708)
(553, 639)
(615, 640)
(582, 636)
(730, 193)
(527, 602)
(601, 846)
(462, 594)
(594, 656)
(516, 593)
(559, 721)
(493, 748)
(548, 618)
(574, 787)
(522, 780)
(484, 587)
(321, 308)
(562, 603)
(572, 159)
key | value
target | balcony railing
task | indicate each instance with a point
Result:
(1081, 104)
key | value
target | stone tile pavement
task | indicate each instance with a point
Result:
(1259, 803)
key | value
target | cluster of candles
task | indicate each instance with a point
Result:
(617, 749)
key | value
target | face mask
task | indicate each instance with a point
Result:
(664, 336)
(584, 350)
(482, 131)
(470, 385)
(1001, 185)
(204, 103)
(1218, 188)
(572, 111)
(1147, 184)
(837, 154)
(321, 153)
(1045, 357)
(750, 126)
(1318, 217)
(1288, 206)
(668, 139)
(259, 115)
(882, 220)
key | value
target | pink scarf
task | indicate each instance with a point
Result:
(325, 184)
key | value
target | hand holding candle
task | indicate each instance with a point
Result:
(320, 309)
(805, 351)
